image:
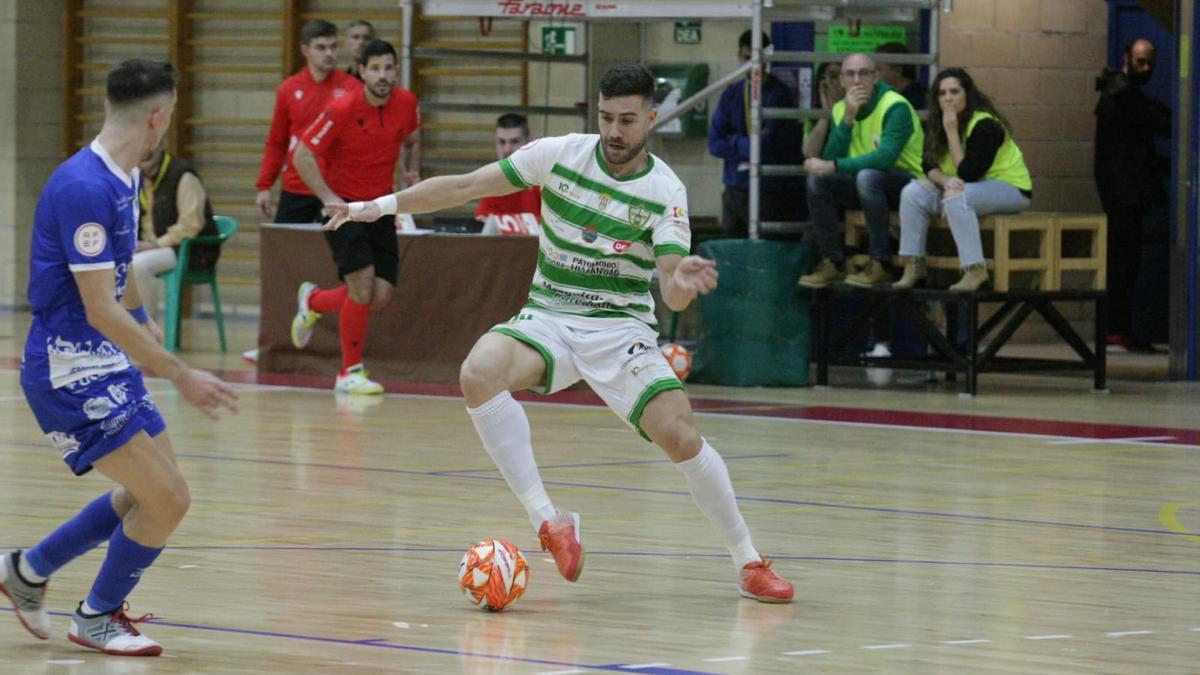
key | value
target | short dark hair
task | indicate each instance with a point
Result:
(136, 80)
(317, 28)
(513, 121)
(360, 22)
(745, 40)
(627, 79)
(376, 48)
(906, 69)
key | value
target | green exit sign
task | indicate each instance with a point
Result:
(687, 32)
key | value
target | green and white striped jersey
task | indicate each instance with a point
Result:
(600, 234)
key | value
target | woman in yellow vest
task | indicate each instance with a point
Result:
(972, 168)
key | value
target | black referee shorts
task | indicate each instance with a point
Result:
(294, 208)
(357, 245)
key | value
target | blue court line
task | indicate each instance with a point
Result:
(382, 643)
(740, 498)
(727, 458)
(671, 554)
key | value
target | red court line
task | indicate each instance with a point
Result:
(720, 406)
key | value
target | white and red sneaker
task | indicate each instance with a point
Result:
(560, 536)
(29, 600)
(761, 583)
(112, 633)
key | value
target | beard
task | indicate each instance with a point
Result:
(1140, 79)
(614, 156)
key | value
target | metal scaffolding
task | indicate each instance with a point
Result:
(757, 11)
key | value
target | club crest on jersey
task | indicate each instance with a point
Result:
(590, 234)
(638, 216)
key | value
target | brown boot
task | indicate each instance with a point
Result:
(874, 274)
(914, 271)
(826, 273)
(973, 277)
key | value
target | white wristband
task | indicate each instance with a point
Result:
(387, 204)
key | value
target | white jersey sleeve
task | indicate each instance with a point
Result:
(531, 164)
(672, 232)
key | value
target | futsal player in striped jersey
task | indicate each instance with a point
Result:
(612, 214)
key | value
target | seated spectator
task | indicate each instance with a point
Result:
(973, 168)
(902, 76)
(827, 91)
(174, 207)
(512, 132)
(872, 153)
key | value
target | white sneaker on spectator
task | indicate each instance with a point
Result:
(880, 351)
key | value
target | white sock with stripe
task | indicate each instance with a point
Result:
(504, 430)
(708, 481)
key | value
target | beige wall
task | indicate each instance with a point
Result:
(1038, 60)
(30, 128)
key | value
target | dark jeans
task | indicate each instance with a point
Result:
(1124, 259)
(772, 206)
(875, 192)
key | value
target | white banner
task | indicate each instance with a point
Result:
(590, 9)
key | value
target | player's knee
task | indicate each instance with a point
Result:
(477, 377)
(362, 296)
(170, 502)
(678, 436)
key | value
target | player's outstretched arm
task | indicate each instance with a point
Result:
(202, 389)
(682, 279)
(431, 194)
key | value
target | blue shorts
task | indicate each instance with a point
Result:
(87, 422)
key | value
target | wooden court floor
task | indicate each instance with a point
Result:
(325, 534)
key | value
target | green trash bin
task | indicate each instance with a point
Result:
(756, 327)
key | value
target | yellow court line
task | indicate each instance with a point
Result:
(1169, 517)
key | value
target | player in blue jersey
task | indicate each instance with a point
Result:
(88, 323)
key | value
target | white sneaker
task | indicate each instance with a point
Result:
(355, 381)
(305, 319)
(29, 600)
(880, 351)
(112, 633)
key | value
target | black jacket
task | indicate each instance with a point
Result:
(1129, 172)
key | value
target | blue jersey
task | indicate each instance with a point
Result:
(86, 219)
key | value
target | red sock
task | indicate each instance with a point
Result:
(325, 301)
(352, 324)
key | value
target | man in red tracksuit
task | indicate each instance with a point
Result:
(349, 153)
(298, 101)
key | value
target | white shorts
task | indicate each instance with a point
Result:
(618, 358)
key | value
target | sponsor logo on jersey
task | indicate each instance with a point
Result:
(63, 442)
(638, 216)
(90, 239)
(590, 234)
(99, 407)
(604, 200)
(679, 213)
(299, 94)
(621, 246)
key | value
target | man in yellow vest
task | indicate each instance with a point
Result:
(872, 153)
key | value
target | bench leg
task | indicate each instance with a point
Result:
(1101, 349)
(972, 345)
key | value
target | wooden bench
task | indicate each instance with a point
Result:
(1031, 250)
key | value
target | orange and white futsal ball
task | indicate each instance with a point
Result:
(679, 358)
(493, 574)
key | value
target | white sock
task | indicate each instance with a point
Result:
(87, 610)
(27, 571)
(504, 430)
(708, 481)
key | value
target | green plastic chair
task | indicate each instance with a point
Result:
(181, 275)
